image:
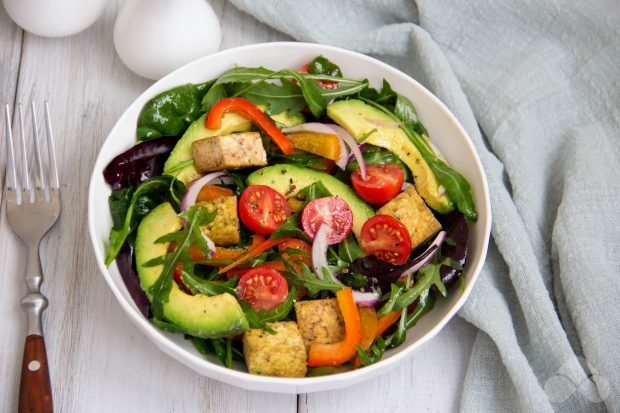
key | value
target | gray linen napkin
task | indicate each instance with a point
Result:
(537, 87)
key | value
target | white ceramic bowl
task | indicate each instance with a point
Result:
(444, 129)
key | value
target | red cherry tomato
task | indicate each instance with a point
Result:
(384, 182)
(299, 245)
(331, 210)
(387, 239)
(263, 288)
(262, 209)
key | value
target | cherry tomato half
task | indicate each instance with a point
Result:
(299, 245)
(384, 182)
(263, 288)
(262, 209)
(386, 238)
(331, 210)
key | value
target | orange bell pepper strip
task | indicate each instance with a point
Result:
(222, 254)
(384, 323)
(210, 192)
(253, 252)
(250, 111)
(338, 353)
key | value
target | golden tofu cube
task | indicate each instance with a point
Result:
(281, 354)
(409, 208)
(235, 151)
(319, 321)
(224, 229)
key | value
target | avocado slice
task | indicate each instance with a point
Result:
(357, 118)
(290, 179)
(199, 315)
(180, 163)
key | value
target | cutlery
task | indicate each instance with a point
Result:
(32, 207)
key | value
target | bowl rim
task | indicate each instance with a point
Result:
(278, 384)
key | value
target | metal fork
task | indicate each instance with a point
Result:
(32, 206)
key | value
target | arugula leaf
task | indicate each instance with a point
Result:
(314, 191)
(290, 228)
(349, 250)
(209, 288)
(405, 110)
(307, 279)
(225, 349)
(146, 197)
(195, 216)
(387, 97)
(258, 319)
(294, 87)
(277, 98)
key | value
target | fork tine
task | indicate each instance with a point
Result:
(55, 184)
(37, 148)
(11, 173)
(22, 141)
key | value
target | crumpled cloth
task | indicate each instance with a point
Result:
(536, 84)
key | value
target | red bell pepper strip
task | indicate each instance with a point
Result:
(250, 111)
(338, 353)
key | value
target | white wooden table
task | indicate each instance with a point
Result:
(99, 361)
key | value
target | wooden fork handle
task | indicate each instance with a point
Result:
(35, 392)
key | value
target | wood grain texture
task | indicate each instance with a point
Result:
(35, 393)
(99, 362)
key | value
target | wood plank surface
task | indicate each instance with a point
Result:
(99, 362)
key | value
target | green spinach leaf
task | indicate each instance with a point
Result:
(171, 112)
(147, 196)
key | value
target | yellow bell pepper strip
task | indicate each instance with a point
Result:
(253, 252)
(338, 353)
(368, 319)
(250, 111)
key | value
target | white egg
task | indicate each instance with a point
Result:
(54, 18)
(155, 37)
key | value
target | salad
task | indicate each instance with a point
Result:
(295, 220)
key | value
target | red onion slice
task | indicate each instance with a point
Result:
(428, 254)
(353, 146)
(368, 299)
(319, 250)
(194, 188)
(310, 127)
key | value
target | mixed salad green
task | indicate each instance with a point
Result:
(296, 220)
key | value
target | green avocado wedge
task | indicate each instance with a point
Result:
(290, 179)
(198, 315)
(364, 121)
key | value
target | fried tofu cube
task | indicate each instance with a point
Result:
(224, 229)
(281, 354)
(409, 208)
(235, 151)
(319, 321)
